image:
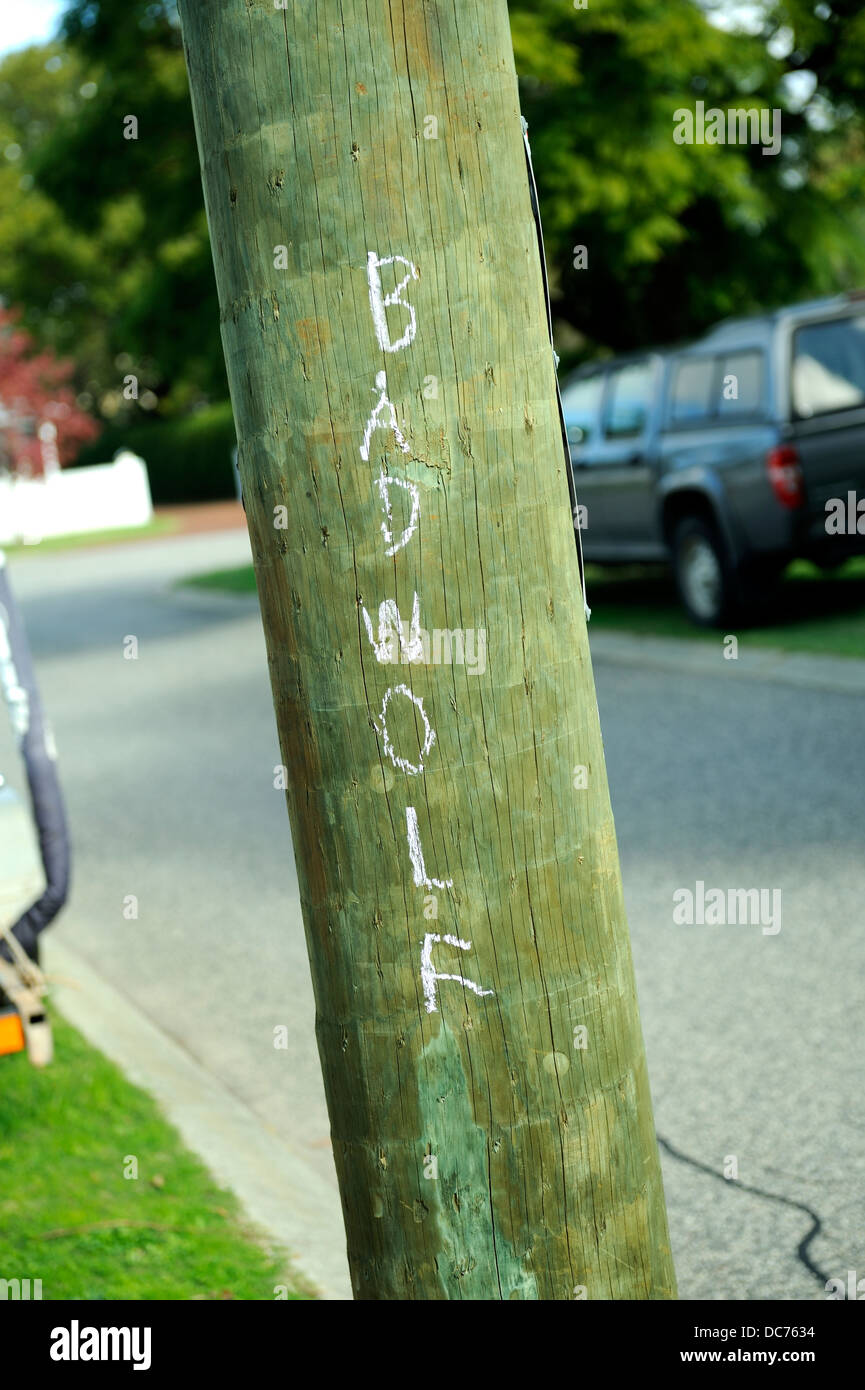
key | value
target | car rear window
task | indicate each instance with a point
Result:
(626, 412)
(693, 384)
(581, 402)
(829, 366)
(742, 382)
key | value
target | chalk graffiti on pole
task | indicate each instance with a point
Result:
(384, 417)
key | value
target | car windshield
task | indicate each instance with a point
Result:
(628, 400)
(580, 403)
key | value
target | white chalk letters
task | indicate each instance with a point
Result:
(415, 853)
(375, 423)
(378, 304)
(429, 974)
(384, 485)
(413, 769)
(392, 640)
(392, 637)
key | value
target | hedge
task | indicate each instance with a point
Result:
(188, 459)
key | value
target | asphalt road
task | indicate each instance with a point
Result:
(755, 1040)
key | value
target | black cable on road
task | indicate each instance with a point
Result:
(816, 1226)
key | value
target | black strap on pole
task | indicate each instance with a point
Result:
(536, 210)
(18, 683)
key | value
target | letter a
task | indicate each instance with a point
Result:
(373, 423)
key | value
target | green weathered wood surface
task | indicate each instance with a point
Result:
(311, 127)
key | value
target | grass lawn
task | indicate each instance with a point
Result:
(812, 612)
(69, 1217)
(235, 581)
(160, 526)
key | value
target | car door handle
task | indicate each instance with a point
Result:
(636, 459)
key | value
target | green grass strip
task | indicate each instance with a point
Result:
(71, 1217)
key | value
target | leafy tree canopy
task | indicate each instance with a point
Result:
(678, 236)
(104, 239)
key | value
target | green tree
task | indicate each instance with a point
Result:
(107, 251)
(73, 281)
(679, 236)
(125, 189)
(45, 265)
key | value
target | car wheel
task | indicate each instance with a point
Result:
(702, 570)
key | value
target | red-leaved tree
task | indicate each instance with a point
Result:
(35, 393)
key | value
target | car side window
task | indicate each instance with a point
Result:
(629, 398)
(581, 403)
(742, 384)
(691, 398)
(829, 366)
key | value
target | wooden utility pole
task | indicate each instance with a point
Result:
(384, 326)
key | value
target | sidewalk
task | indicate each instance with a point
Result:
(838, 674)
(194, 517)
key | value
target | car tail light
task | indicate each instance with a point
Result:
(785, 475)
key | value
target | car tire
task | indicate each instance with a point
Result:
(704, 576)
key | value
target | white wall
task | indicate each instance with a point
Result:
(107, 497)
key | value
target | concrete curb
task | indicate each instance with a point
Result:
(279, 1191)
(838, 674)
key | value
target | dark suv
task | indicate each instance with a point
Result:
(729, 457)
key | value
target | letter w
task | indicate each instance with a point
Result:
(392, 635)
